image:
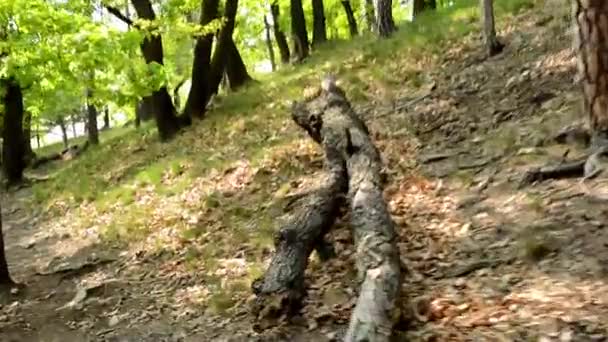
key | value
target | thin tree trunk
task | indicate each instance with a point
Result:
(5, 277)
(152, 49)
(369, 15)
(591, 44)
(37, 135)
(223, 46)
(92, 130)
(279, 36)
(384, 25)
(73, 120)
(298, 31)
(176, 97)
(271, 56)
(319, 34)
(350, 15)
(13, 152)
(27, 137)
(106, 118)
(64, 132)
(236, 71)
(201, 65)
(493, 46)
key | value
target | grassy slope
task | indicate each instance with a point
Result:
(220, 182)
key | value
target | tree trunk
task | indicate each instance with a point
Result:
(591, 44)
(201, 65)
(224, 47)
(92, 130)
(236, 71)
(279, 36)
(350, 15)
(152, 49)
(299, 34)
(423, 5)
(384, 25)
(106, 118)
(176, 97)
(64, 132)
(5, 277)
(329, 119)
(271, 56)
(13, 152)
(319, 34)
(493, 46)
(73, 119)
(27, 138)
(37, 135)
(369, 15)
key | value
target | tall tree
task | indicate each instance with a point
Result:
(350, 16)
(384, 25)
(92, 130)
(201, 64)
(221, 51)
(236, 71)
(152, 49)
(13, 151)
(27, 137)
(591, 45)
(279, 36)
(493, 45)
(5, 277)
(319, 33)
(298, 31)
(106, 118)
(271, 55)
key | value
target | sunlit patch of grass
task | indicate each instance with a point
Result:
(118, 196)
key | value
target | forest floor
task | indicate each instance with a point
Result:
(141, 241)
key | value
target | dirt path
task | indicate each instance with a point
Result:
(487, 260)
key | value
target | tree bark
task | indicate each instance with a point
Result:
(299, 34)
(27, 138)
(319, 33)
(271, 55)
(92, 130)
(13, 151)
(152, 49)
(329, 119)
(350, 15)
(198, 96)
(591, 45)
(106, 118)
(224, 48)
(279, 36)
(64, 132)
(5, 277)
(236, 70)
(384, 24)
(493, 45)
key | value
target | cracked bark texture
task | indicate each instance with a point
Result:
(384, 23)
(590, 39)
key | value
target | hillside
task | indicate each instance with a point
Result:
(142, 241)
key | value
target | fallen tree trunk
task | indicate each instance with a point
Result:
(281, 289)
(67, 154)
(329, 119)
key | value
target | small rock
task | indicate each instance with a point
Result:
(14, 291)
(3, 318)
(460, 282)
(113, 321)
(332, 336)
(468, 201)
